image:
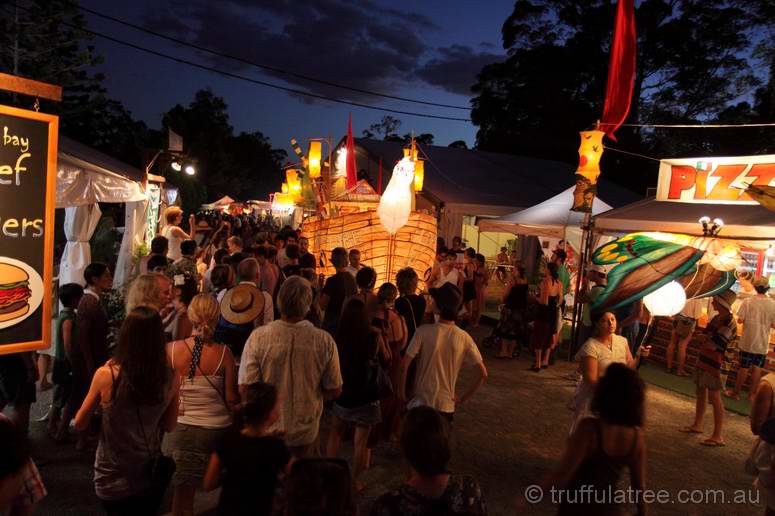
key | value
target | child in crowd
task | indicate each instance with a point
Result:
(249, 457)
(62, 375)
(721, 331)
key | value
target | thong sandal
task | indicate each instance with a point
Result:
(713, 443)
(689, 430)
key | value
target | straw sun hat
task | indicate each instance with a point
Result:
(242, 304)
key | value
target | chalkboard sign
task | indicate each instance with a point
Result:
(28, 160)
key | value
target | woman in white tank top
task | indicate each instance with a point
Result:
(173, 217)
(208, 394)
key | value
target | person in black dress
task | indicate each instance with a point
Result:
(512, 328)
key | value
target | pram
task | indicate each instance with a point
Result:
(513, 324)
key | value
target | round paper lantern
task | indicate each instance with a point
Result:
(667, 300)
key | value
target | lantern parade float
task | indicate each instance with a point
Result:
(389, 233)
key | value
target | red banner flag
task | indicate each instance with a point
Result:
(352, 172)
(621, 69)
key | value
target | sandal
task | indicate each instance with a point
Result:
(535, 369)
(713, 443)
(689, 430)
(731, 395)
(683, 373)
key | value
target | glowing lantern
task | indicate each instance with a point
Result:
(282, 202)
(666, 301)
(284, 188)
(294, 183)
(396, 202)
(314, 159)
(722, 256)
(341, 162)
(590, 152)
(419, 175)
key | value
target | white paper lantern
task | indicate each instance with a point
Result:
(667, 300)
(396, 202)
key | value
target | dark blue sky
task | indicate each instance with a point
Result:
(429, 50)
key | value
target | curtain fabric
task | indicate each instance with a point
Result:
(135, 221)
(621, 69)
(79, 185)
(80, 224)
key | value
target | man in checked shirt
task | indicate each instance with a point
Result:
(21, 487)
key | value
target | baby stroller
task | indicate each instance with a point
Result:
(513, 324)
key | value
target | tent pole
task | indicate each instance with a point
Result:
(586, 243)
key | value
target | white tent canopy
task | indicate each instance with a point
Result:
(753, 225)
(551, 218)
(86, 177)
(224, 201)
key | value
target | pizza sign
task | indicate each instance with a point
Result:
(714, 180)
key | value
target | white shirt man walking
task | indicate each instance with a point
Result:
(443, 350)
(757, 314)
(301, 361)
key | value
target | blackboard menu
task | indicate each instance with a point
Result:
(28, 146)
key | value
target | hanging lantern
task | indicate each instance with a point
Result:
(284, 188)
(314, 159)
(293, 179)
(666, 301)
(419, 175)
(590, 152)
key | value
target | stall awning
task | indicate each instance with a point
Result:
(86, 176)
(747, 223)
(550, 218)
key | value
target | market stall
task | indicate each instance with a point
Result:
(86, 177)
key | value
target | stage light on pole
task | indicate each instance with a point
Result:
(176, 166)
(190, 170)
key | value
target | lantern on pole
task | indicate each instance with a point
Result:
(293, 180)
(590, 152)
(419, 175)
(314, 159)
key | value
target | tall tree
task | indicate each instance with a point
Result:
(692, 64)
(385, 128)
(42, 40)
(243, 166)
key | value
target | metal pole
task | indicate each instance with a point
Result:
(586, 242)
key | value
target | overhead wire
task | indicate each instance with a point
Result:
(261, 65)
(250, 79)
(697, 126)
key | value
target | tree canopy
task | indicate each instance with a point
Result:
(696, 64)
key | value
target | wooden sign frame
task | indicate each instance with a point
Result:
(48, 224)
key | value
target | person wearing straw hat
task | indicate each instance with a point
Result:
(720, 332)
(243, 308)
(757, 314)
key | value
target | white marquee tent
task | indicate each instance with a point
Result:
(551, 218)
(751, 224)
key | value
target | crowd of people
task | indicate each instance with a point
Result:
(233, 350)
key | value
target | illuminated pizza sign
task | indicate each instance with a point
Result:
(714, 180)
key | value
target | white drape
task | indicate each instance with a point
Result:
(80, 223)
(134, 233)
(79, 183)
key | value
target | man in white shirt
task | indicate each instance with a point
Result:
(354, 257)
(301, 361)
(443, 348)
(757, 314)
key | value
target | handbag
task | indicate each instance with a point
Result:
(379, 386)
(159, 467)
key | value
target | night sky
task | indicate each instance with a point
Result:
(430, 50)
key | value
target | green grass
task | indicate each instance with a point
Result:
(655, 374)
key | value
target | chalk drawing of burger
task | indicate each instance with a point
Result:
(21, 291)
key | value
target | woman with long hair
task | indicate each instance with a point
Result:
(138, 395)
(481, 279)
(545, 326)
(601, 447)
(392, 328)
(150, 290)
(208, 392)
(173, 217)
(359, 346)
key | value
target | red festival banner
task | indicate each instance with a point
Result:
(714, 180)
(621, 69)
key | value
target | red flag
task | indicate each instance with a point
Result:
(621, 69)
(352, 173)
